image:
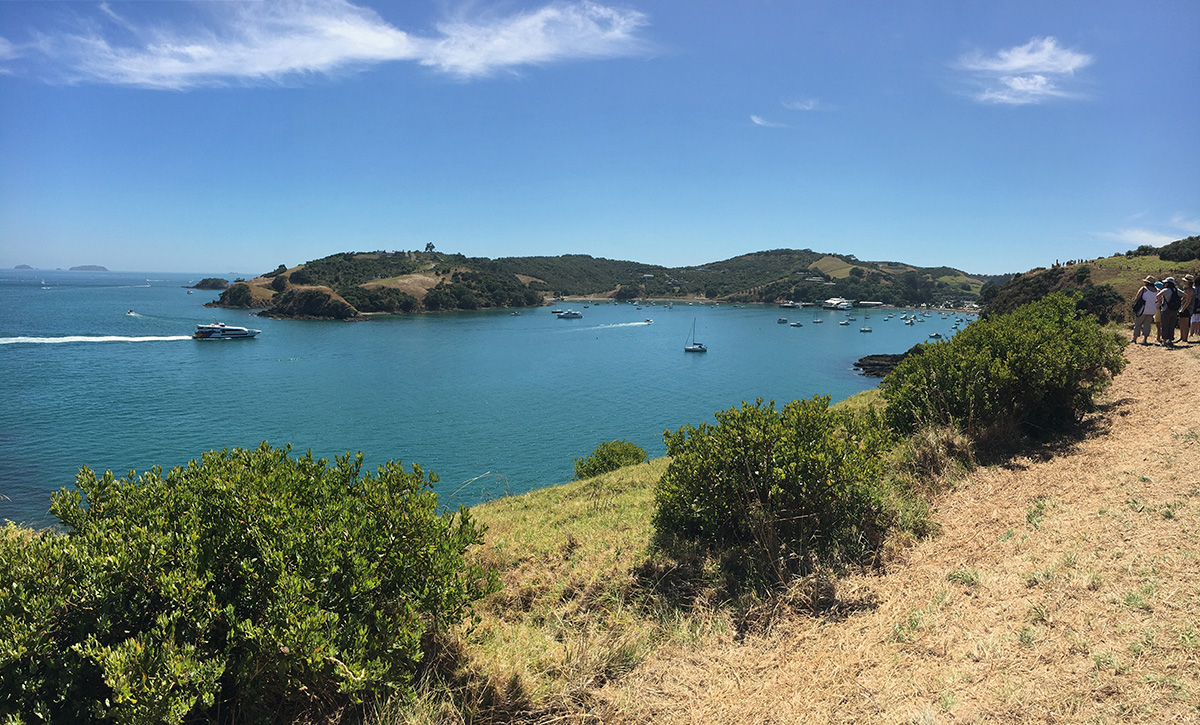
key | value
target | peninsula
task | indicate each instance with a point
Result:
(352, 285)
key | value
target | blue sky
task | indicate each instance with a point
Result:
(227, 135)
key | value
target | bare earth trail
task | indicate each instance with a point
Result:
(1063, 589)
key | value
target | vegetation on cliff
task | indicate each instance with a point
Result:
(312, 302)
(402, 282)
(213, 283)
(243, 295)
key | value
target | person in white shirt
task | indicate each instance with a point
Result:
(1145, 305)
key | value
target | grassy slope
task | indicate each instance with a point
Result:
(1127, 273)
(1065, 587)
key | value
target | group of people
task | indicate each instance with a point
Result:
(1166, 307)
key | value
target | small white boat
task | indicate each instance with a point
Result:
(691, 345)
(864, 328)
(936, 335)
(844, 322)
(221, 331)
(570, 315)
(797, 324)
(782, 320)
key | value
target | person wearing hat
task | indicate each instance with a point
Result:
(1168, 304)
(1145, 305)
(1188, 326)
(1158, 287)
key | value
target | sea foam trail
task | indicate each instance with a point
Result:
(609, 326)
(90, 338)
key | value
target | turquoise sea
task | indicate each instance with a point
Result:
(98, 369)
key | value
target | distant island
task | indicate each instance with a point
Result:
(216, 283)
(356, 285)
(22, 266)
(89, 268)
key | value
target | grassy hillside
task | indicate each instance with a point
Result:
(1106, 283)
(1062, 587)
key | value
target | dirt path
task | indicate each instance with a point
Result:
(1059, 590)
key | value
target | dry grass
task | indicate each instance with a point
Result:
(835, 267)
(572, 615)
(416, 284)
(1061, 589)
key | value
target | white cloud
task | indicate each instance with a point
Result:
(760, 121)
(1177, 228)
(555, 32)
(1025, 74)
(275, 40)
(808, 104)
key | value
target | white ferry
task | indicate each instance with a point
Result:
(221, 331)
(837, 303)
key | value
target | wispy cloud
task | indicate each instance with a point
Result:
(274, 41)
(1178, 227)
(760, 121)
(807, 104)
(1025, 74)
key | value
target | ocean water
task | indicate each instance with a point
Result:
(99, 370)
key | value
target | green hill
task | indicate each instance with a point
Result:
(412, 281)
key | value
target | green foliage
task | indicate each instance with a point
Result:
(301, 276)
(609, 456)
(277, 271)
(1036, 370)
(380, 299)
(349, 269)
(1183, 250)
(778, 492)
(1100, 301)
(250, 584)
(312, 302)
(238, 295)
(279, 283)
(212, 283)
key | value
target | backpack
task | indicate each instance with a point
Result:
(1139, 305)
(1172, 300)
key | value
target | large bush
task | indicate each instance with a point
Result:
(1033, 371)
(782, 491)
(250, 586)
(609, 456)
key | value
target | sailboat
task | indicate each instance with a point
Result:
(692, 345)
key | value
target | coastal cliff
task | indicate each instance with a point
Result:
(312, 303)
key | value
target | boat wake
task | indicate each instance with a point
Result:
(623, 324)
(90, 338)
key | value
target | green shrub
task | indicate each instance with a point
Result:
(781, 491)
(609, 456)
(252, 585)
(1034, 371)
